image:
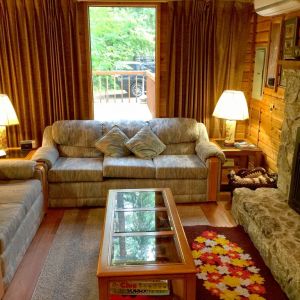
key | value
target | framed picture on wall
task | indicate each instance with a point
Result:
(290, 38)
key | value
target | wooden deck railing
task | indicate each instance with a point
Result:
(119, 85)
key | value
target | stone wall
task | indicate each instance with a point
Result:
(289, 130)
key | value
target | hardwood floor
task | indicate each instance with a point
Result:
(25, 279)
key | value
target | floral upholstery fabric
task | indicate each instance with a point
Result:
(275, 230)
(82, 133)
(179, 167)
(95, 193)
(180, 149)
(21, 212)
(113, 143)
(75, 151)
(47, 137)
(20, 191)
(145, 144)
(129, 127)
(206, 150)
(175, 130)
(11, 216)
(68, 169)
(128, 167)
(16, 169)
(46, 154)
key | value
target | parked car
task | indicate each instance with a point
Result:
(134, 85)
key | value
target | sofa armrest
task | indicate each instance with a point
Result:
(16, 169)
(206, 150)
(213, 157)
(47, 155)
(40, 173)
(214, 166)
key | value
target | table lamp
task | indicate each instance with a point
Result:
(8, 117)
(231, 106)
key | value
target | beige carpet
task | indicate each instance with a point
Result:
(69, 272)
(70, 268)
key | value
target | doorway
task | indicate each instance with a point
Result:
(123, 58)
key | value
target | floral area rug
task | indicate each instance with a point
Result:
(229, 267)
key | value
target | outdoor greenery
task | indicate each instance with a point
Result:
(121, 34)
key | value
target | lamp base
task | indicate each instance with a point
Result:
(2, 153)
(230, 132)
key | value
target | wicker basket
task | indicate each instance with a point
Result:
(252, 179)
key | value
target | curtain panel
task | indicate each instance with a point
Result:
(41, 64)
(208, 40)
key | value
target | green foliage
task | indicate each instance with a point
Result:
(120, 34)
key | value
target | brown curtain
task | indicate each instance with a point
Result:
(41, 64)
(207, 45)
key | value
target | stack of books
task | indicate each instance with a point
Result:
(142, 289)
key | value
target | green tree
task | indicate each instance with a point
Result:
(120, 34)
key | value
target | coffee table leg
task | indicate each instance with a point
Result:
(191, 287)
(103, 288)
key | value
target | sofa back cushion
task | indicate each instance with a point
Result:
(175, 130)
(129, 127)
(76, 138)
(178, 134)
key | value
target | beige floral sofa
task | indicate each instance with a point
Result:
(22, 209)
(80, 175)
(274, 229)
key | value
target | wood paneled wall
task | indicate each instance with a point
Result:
(246, 84)
(266, 115)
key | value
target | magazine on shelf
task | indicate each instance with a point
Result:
(121, 297)
(244, 145)
(140, 287)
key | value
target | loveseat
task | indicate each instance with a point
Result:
(22, 208)
(274, 228)
(80, 175)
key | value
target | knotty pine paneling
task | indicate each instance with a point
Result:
(247, 78)
(266, 115)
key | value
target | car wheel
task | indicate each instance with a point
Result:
(136, 89)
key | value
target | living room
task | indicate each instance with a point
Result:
(54, 197)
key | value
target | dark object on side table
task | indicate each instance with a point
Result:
(252, 179)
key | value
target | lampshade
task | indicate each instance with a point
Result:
(7, 112)
(232, 105)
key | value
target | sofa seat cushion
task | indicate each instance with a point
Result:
(11, 216)
(20, 192)
(70, 169)
(180, 167)
(128, 167)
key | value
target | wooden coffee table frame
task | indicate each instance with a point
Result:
(183, 271)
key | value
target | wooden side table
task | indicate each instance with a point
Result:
(17, 153)
(240, 158)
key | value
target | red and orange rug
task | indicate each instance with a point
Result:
(229, 267)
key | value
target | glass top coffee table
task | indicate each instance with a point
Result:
(144, 245)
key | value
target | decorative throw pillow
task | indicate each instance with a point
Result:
(113, 143)
(145, 144)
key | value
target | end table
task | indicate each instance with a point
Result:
(17, 153)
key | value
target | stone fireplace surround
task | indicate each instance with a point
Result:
(290, 126)
(273, 226)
